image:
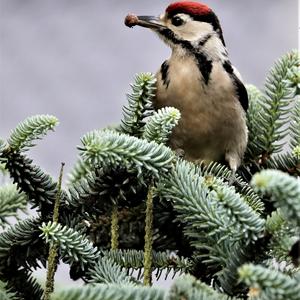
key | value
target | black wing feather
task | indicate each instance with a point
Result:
(240, 88)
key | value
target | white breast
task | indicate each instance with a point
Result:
(213, 121)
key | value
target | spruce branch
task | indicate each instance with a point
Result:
(20, 250)
(104, 187)
(5, 293)
(255, 97)
(187, 287)
(112, 291)
(286, 162)
(235, 255)
(282, 237)
(25, 285)
(281, 244)
(139, 104)
(22, 238)
(160, 125)
(107, 271)
(109, 148)
(223, 174)
(33, 128)
(3, 146)
(11, 200)
(295, 126)
(270, 112)
(3, 171)
(294, 79)
(269, 284)
(37, 185)
(284, 191)
(274, 222)
(219, 211)
(80, 171)
(161, 261)
(74, 246)
(296, 152)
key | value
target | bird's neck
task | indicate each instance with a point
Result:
(210, 45)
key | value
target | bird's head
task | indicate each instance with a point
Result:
(183, 23)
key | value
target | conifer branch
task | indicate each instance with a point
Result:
(5, 293)
(187, 287)
(80, 171)
(111, 291)
(24, 234)
(21, 249)
(190, 193)
(286, 162)
(103, 187)
(161, 261)
(37, 185)
(269, 284)
(11, 200)
(107, 271)
(139, 104)
(269, 113)
(295, 125)
(25, 285)
(208, 227)
(109, 148)
(274, 222)
(74, 246)
(223, 174)
(160, 125)
(284, 191)
(33, 128)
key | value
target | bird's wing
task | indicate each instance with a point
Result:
(240, 88)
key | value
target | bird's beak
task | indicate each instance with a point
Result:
(150, 22)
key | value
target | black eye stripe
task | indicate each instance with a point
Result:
(177, 21)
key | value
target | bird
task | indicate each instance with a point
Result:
(200, 81)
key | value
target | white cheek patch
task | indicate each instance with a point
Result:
(194, 30)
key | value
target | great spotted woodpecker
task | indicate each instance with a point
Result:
(200, 81)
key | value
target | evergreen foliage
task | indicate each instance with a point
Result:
(10, 201)
(272, 108)
(111, 291)
(139, 104)
(160, 125)
(109, 148)
(161, 261)
(285, 192)
(72, 244)
(5, 294)
(23, 136)
(222, 239)
(269, 284)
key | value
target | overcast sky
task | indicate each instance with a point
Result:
(75, 59)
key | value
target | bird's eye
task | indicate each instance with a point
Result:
(177, 21)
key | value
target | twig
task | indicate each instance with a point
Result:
(52, 258)
(114, 228)
(148, 237)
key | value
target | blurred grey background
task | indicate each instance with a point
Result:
(75, 59)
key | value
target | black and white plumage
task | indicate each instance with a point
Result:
(200, 81)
